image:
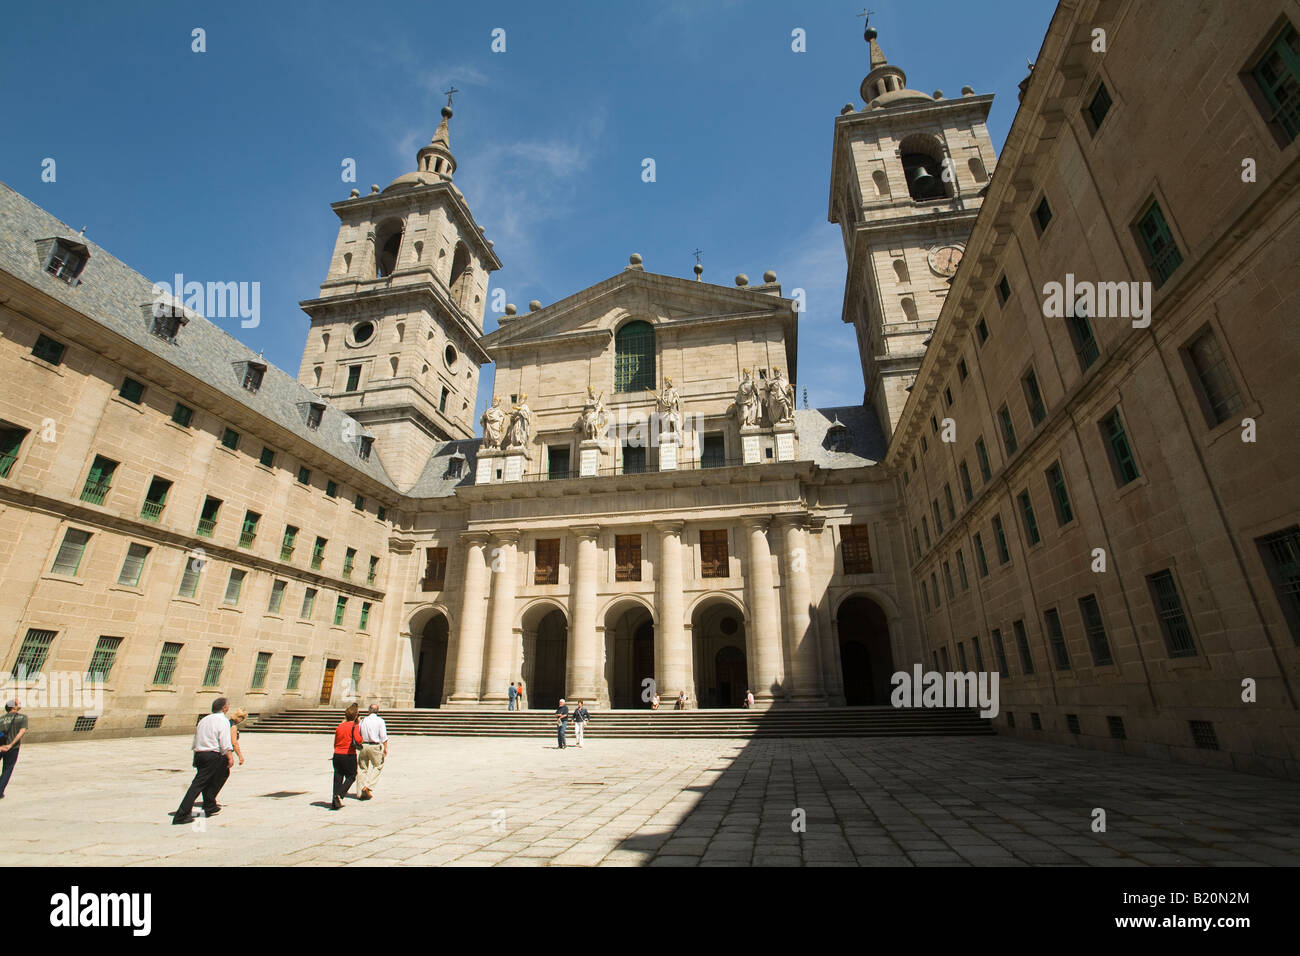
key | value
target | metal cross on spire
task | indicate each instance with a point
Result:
(867, 13)
(696, 254)
(449, 91)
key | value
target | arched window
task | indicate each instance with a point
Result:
(977, 169)
(460, 270)
(900, 270)
(388, 243)
(634, 357)
(923, 156)
(881, 181)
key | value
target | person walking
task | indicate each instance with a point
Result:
(237, 718)
(346, 737)
(214, 755)
(519, 696)
(561, 715)
(374, 751)
(13, 726)
(511, 694)
(580, 718)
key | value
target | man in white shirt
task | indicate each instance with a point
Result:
(213, 758)
(374, 751)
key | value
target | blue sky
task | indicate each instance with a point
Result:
(222, 165)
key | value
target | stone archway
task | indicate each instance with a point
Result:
(431, 662)
(866, 659)
(546, 651)
(720, 659)
(629, 655)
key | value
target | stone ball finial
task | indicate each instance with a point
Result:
(510, 308)
(447, 113)
(742, 279)
(869, 34)
(490, 243)
(848, 108)
(634, 259)
(374, 187)
(534, 305)
(968, 91)
(769, 276)
(938, 94)
(354, 194)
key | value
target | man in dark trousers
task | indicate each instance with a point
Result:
(510, 694)
(13, 725)
(213, 758)
(561, 716)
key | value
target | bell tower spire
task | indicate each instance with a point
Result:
(436, 158)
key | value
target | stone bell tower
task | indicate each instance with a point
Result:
(394, 338)
(907, 175)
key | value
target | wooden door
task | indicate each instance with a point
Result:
(327, 685)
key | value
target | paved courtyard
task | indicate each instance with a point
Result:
(521, 802)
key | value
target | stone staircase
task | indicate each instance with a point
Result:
(778, 722)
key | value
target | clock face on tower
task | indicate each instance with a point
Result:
(944, 260)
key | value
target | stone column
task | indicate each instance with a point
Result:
(500, 634)
(765, 630)
(670, 637)
(581, 672)
(468, 679)
(805, 659)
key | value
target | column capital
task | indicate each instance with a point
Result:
(508, 536)
(753, 523)
(474, 537)
(401, 545)
(796, 520)
(582, 531)
(669, 527)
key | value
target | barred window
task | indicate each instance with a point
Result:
(102, 660)
(435, 569)
(1281, 552)
(295, 673)
(714, 559)
(627, 557)
(133, 566)
(1022, 643)
(1218, 390)
(166, 669)
(260, 668)
(547, 569)
(1056, 638)
(68, 560)
(855, 549)
(216, 661)
(634, 357)
(1095, 628)
(33, 653)
(1169, 608)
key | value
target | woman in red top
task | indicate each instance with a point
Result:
(346, 737)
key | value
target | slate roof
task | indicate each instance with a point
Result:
(866, 444)
(114, 295)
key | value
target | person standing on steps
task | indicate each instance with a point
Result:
(519, 696)
(511, 694)
(561, 715)
(580, 718)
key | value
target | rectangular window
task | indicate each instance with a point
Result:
(359, 503)
(934, 586)
(938, 518)
(314, 415)
(962, 370)
(381, 513)
(1008, 430)
(253, 376)
(633, 459)
(373, 571)
(916, 542)
(234, 586)
(267, 457)
(947, 497)
(943, 653)
(1001, 653)
(1085, 344)
(98, 480)
(248, 534)
(435, 569)
(1031, 524)
(364, 622)
(627, 557)
(133, 566)
(331, 489)
(557, 461)
(33, 653)
(1169, 609)
(260, 667)
(1042, 215)
(308, 604)
(1004, 291)
(1278, 76)
(925, 530)
(288, 542)
(182, 415)
(1122, 462)
(277, 597)
(155, 499)
(1158, 244)
(48, 350)
(981, 562)
(963, 473)
(304, 475)
(216, 661)
(1093, 626)
(295, 673)
(1056, 639)
(208, 517)
(349, 559)
(103, 659)
(714, 559)
(356, 675)
(982, 456)
(855, 549)
(713, 452)
(934, 425)
(442, 399)
(961, 655)
(230, 439)
(979, 653)
(340, 609)
(961, 570)
(1060, 494)
(982, 330)
(1215, 385)
(1022, 643)
(11, 441)
(68, 560)
(131, 390)
(925, 596)
(354, 378)
(1098, 107)
(1033, 398)
(547, 569)
(1281, 554)
(947, 579)
(947, 397)
(318, 554)
(166, 669)
(190, 577)
(1000, 540)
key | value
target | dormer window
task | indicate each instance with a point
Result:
(251, 379)
(363, 448)
(315, 412)
(166, 322)
(455, 464)
(66, 260)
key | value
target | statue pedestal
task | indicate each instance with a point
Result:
(751, 448)
(496, 465)
(669, 442)
(514, 459)
(784, 441)
(589, 458)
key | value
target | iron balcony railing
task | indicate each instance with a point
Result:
(206, 527)
(95, 492)
(151, 510)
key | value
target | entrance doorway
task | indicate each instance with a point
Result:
(866, 660)
(545, 657)
(629, 656)
(431, 663)
(730, 677)
(327, 684)
(719, 656)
